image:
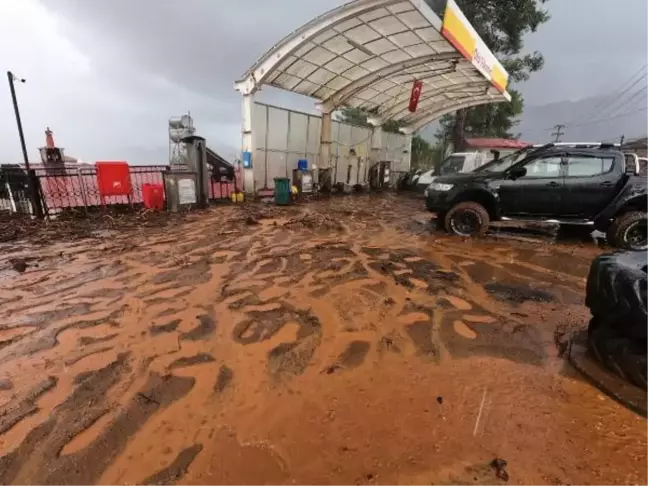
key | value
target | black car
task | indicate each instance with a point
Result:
(593, 185)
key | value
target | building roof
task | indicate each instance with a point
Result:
(496, 143)
(368, 53)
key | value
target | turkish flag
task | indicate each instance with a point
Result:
(416, 94)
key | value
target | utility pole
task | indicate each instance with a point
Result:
(558, 133)
(621, 140)
(33, 188)
(11, 78)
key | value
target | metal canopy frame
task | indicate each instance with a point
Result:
(367, 54)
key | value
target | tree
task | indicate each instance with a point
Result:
(502, 25)
(358, 116)
(492, 120)
(354, 116)
(425, 155)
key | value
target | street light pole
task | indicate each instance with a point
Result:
(11, 78)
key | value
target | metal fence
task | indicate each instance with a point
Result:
(282, 137)
(73, 187)
(77, 187)
(221, 186)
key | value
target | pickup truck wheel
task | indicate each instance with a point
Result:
(467, 219)
(629, 231)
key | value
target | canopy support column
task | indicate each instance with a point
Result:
(407, 150)
(376, 140)
(247, 144)
(324, 176)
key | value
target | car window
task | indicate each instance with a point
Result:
(452, 164)
(588, 165)
(544, 167)
(500, 165)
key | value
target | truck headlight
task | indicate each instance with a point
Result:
(438, 186)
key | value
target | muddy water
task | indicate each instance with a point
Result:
(338, 342)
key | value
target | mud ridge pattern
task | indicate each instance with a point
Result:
(339, 342)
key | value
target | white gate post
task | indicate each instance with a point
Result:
(247, 144)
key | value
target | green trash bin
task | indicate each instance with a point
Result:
(282, 190)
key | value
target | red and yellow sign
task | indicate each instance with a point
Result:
(463, 37)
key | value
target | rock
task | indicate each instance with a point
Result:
(500, 468)
(251, 220)
(19, 265)
(5, 384)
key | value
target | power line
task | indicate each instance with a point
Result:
(610, 108)
(620, 91)
(622, 87)
(607, 119)
(641, 91)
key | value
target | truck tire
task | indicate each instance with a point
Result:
(616, 293)
(467, 219)
(628, 231)
(623, 356)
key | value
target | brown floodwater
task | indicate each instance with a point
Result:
(340, 341)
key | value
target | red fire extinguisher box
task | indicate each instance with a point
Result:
(113, 179)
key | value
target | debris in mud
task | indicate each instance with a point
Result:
(499, 465)
(517, 294)
(192, 360)
(76, 224)
(251, 220)
(388, 343)
(177, 469)
(206, 326)
(354, 355)
(292, 358)
(315, 221)
(161, 328)
(5, 384)
(16, 410)
(87, 340)
(562, 336)
(421, 334)
(225, 376)
(439, 400)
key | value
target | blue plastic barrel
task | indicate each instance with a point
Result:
(302, 164)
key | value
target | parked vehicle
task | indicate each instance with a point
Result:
(408, 180)
(586, 184)
(457, 162)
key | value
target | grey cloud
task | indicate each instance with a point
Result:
(150, 59)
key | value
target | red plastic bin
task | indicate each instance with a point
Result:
(153, 195)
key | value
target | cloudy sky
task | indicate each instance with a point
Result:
(106, 75)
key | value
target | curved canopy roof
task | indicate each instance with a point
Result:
(368, 53)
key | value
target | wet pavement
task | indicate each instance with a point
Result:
(335, 342)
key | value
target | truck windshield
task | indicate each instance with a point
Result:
(505, 162)
(452, 164)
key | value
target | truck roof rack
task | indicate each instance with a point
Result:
(584, 144)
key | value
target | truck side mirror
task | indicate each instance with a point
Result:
(517, 172)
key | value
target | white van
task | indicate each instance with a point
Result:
(457, 162)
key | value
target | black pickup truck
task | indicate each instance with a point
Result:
(593, 185)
